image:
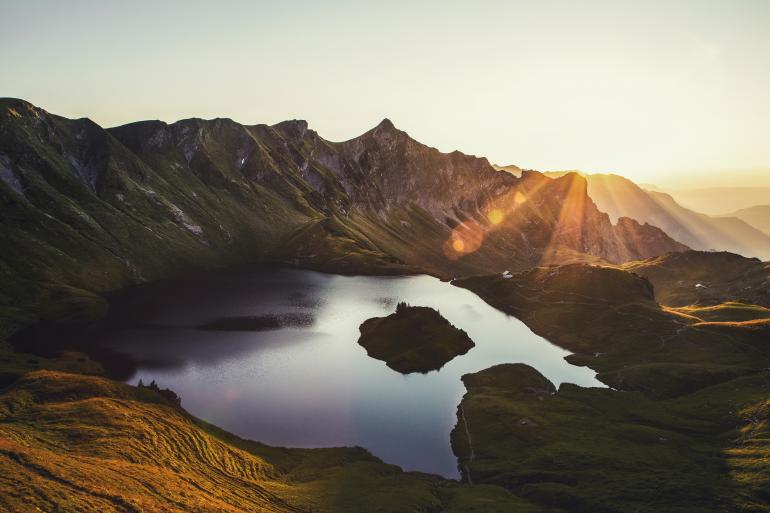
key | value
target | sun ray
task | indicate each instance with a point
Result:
(567, 230)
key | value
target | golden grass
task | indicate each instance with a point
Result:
(70, 442)
(734, 311)
(752, 323)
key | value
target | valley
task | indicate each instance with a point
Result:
(614, 369)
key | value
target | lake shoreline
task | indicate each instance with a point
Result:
(171, 349)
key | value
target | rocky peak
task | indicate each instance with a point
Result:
(142, 134)
(293, 127)
(386, 125)
(387, 131)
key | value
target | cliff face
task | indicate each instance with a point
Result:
(99, 209)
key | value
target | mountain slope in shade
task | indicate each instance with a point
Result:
(705, 278)
(619, 196)
(100, 209)
(758, 217)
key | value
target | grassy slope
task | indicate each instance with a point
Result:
(722, 276)
(685, 431)
(610, 319)
(94, 216)
(413, 339)
(76, 443)
(598, 450)
(729, 311)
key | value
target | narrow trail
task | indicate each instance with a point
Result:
(472, 455)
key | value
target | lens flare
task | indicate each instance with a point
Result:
(496, 216)
(466, 238)
(499, 214)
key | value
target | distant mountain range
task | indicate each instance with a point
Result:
(620, 197)
(719, 201)
(758, 216)
(98, 209)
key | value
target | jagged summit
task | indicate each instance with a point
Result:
(385, 128)
(297, 127)
(386, 124)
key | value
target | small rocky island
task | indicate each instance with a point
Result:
(414, 339)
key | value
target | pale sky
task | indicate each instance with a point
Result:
(659, 91)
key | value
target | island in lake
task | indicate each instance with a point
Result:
(413, 339)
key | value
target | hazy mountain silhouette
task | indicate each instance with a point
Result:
(758, 217)
(720, 200)
(619, 197)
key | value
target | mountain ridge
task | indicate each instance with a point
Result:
(101, 209)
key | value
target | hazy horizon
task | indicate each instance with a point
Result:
(661, 93)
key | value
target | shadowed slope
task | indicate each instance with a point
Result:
(610, 319)
(683, 430)
(588, 449)
(705, 278)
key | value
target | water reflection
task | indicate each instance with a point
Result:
(312, 385)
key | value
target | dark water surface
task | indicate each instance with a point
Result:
(298, 378)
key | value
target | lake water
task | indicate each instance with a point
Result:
(314, 386)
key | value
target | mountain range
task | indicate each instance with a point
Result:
(98, 209)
